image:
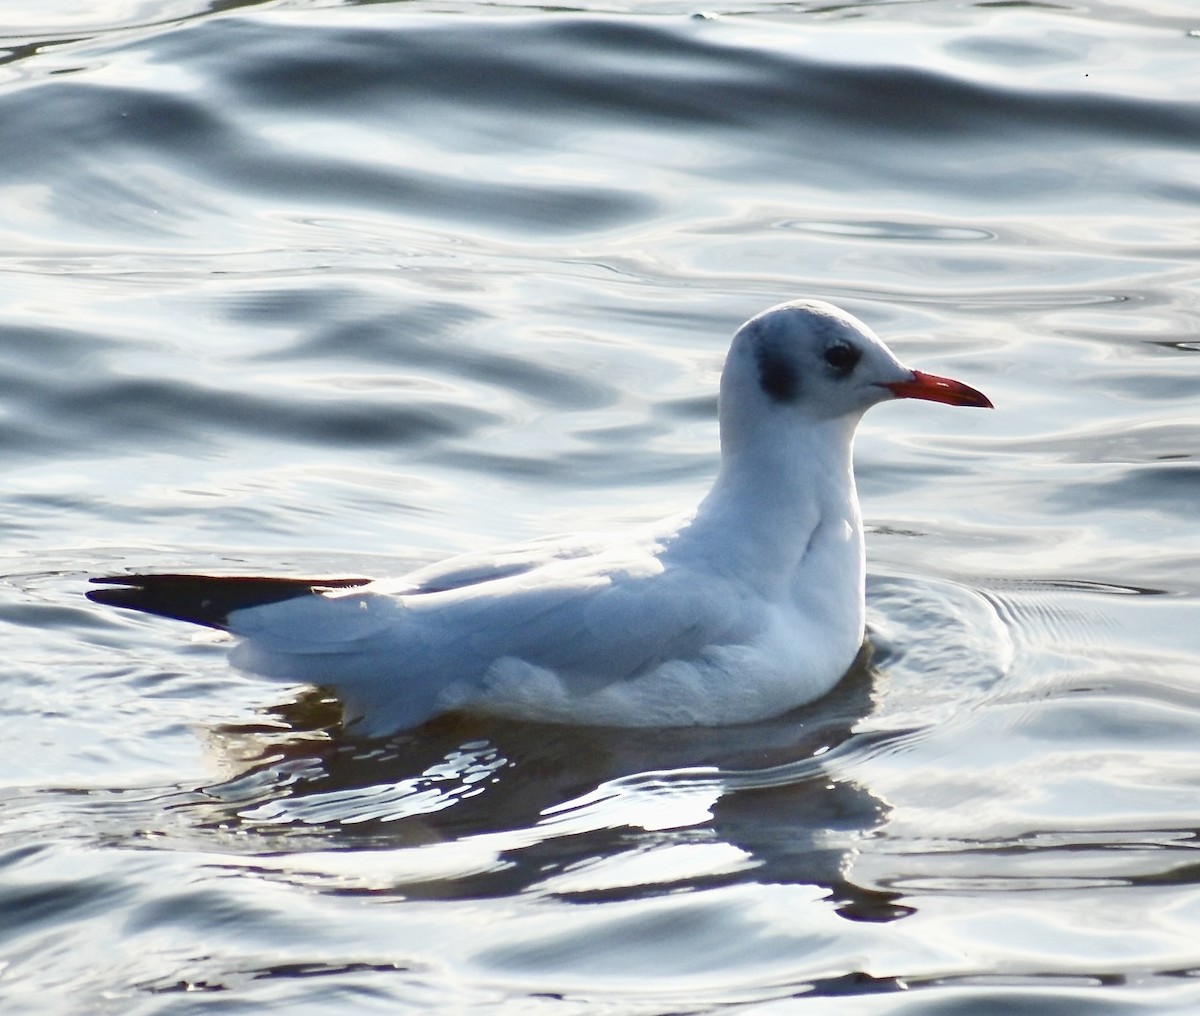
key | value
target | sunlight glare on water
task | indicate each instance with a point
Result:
(330, 288)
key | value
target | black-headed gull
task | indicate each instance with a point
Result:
(746, 607)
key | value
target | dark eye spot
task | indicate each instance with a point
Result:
(777, 373)
(842, 357)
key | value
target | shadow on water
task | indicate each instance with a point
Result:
(511, 807)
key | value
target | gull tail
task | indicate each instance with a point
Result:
(206, 599)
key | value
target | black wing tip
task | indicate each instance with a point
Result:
(205, 599)
(139, 578)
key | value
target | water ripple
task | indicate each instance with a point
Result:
(347, 289)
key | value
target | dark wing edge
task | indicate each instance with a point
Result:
(206, 599)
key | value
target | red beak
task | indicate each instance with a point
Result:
(932, 388)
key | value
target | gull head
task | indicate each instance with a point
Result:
(808, 360)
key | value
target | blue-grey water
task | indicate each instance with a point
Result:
(302, 287)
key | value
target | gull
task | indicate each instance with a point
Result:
(745, 608)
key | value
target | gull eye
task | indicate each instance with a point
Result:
(842, 357)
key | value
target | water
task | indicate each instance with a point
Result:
(303, 288)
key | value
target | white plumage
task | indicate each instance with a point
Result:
(749, 606)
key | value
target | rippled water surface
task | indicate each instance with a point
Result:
(302, 287)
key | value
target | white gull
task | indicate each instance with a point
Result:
(745, 608)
